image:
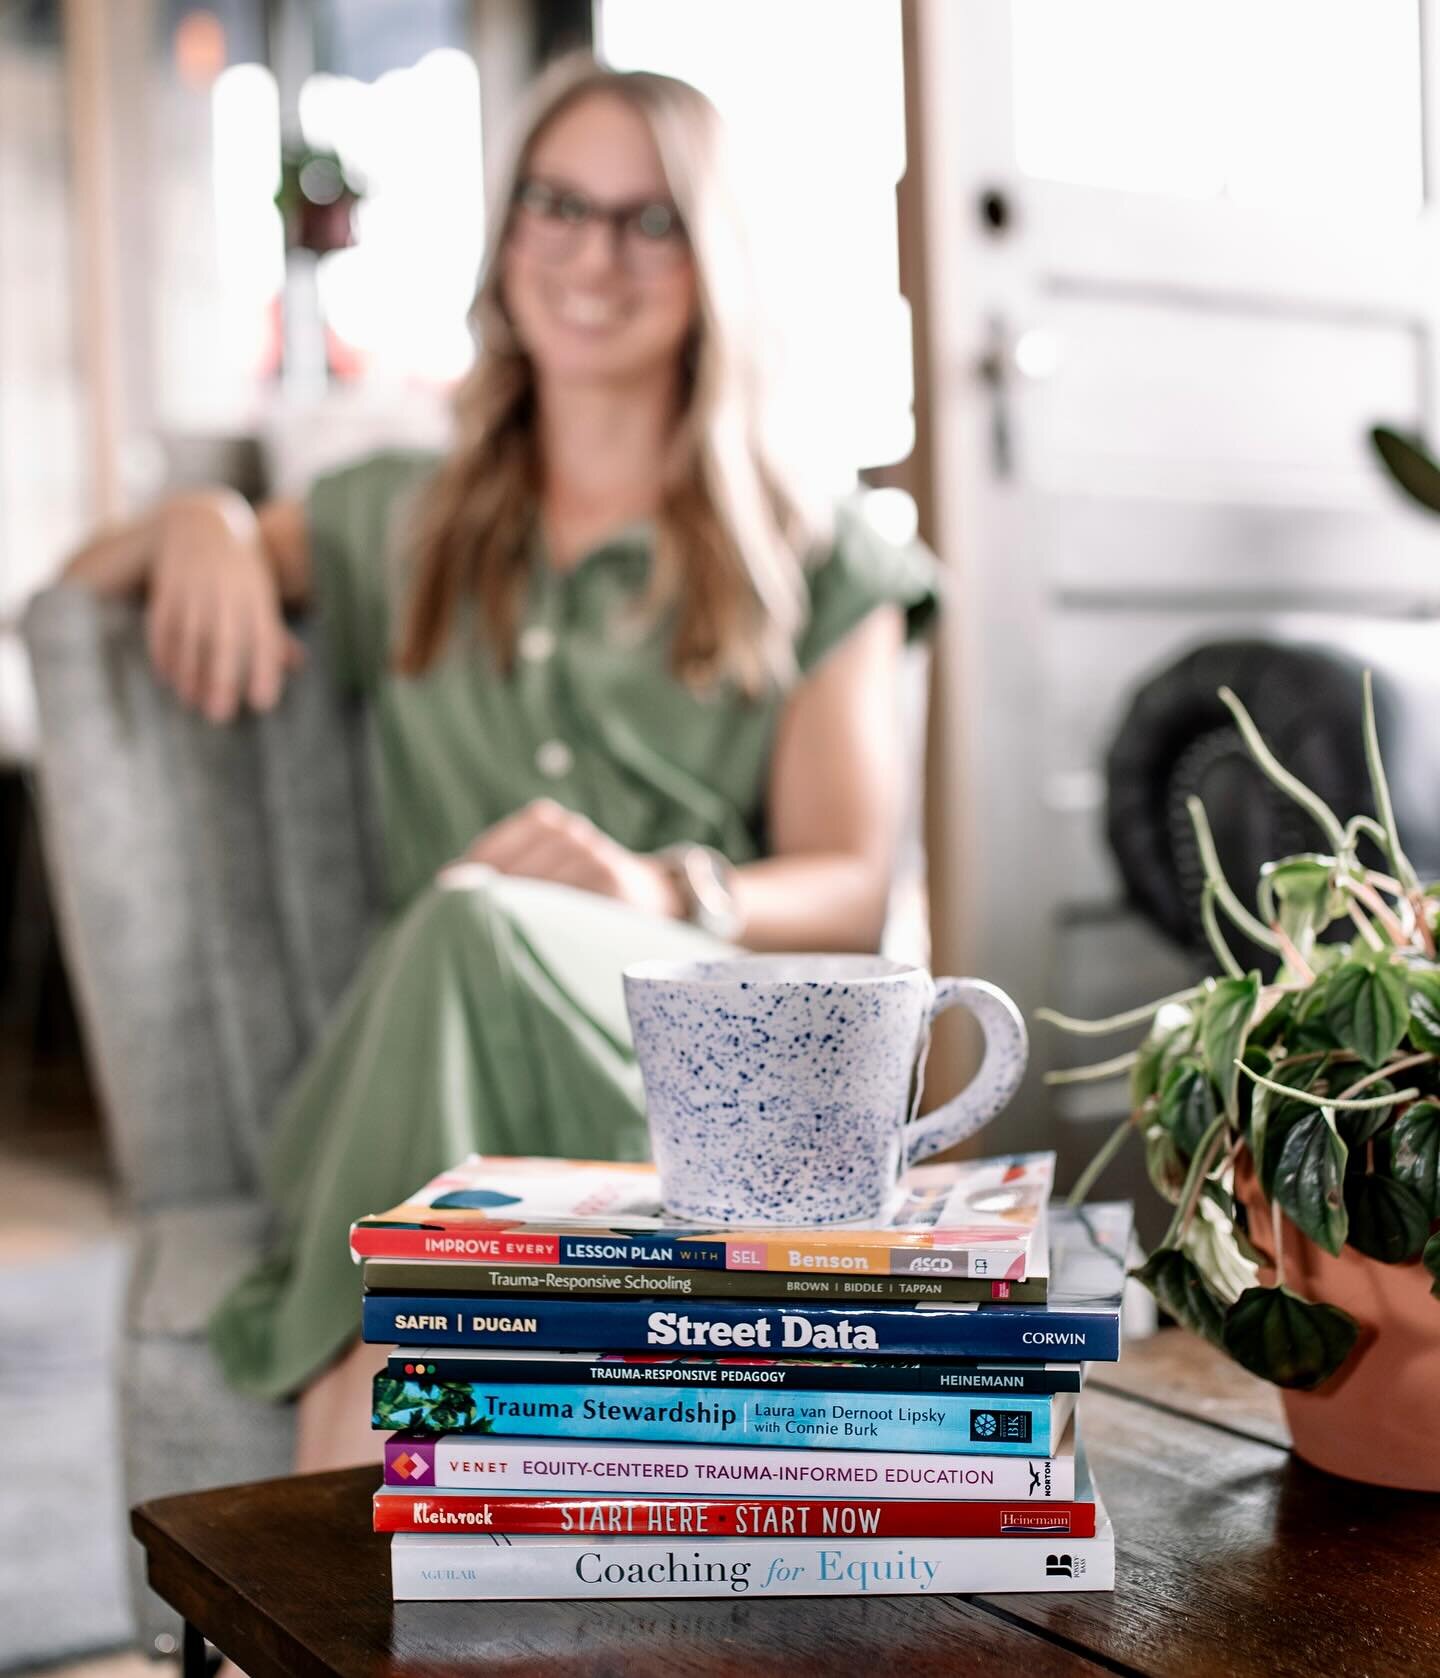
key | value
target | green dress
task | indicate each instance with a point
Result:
(491, 1018)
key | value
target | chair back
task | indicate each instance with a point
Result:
(215, 888)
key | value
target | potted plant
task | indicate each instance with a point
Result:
(1294, 1123)
(316, 199)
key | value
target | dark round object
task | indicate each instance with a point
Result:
(996, 214)
(1177, 738)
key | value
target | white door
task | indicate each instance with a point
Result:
(1180, 258)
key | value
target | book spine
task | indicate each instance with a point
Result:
(714, 1416)
(540, 1466)
(481, 1246)
(531, 1280)
(1001, 1259)
(731, 1517)
(939, 1331)
(476, 1568)
(793, 1374)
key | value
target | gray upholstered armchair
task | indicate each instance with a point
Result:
(215, 889)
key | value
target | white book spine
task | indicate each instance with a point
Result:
(627, 1469)
(427, 1566)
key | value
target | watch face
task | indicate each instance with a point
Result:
(709, 876)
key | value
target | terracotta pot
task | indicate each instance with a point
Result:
(1378, 1419)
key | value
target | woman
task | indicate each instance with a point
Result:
(598, 630)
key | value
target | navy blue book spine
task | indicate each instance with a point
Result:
(792, 1374)
(623, 1325)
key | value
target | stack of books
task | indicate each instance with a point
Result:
(588, 1402)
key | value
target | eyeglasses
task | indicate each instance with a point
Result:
(648, 235)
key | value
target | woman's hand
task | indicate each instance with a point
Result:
(214, 623)
(545, 841)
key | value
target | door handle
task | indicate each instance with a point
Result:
(1031, 355)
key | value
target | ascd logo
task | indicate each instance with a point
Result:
(1064, 1566)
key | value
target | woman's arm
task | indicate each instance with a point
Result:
(834, 801)
(216, 576)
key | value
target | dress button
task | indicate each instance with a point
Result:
(554, 759)
(537, 643)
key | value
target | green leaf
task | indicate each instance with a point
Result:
(1274, 1024)
(1300, 887)
(1187, 1104)
(1410, 464)
(1168, 1037)
(1257, 1133)
(1214, 1246)
(1415, 1153)
(1367, 1009)
(1285, 1339)
(1310, 1178)
(1310, 1029)
(1256, 1062)
(1179, 1287)
(1387, 1221)
(1425, 1009)
(1430, 1258)
(1163, 1162)
(1272, 1117)
(1223, 1029)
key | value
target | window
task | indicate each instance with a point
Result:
(813, 95)
(1294, 104)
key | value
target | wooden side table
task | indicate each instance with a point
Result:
(1234, 1560)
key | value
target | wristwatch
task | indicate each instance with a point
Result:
(706, 881)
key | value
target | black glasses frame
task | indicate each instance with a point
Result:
(652, 223)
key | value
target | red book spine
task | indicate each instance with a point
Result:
(729, 1517)
(498, 1246)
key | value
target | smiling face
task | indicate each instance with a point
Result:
(592, 303)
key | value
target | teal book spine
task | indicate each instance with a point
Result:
(850, 1421)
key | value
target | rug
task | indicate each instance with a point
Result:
(63, 1522)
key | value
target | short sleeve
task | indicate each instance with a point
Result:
(351, 515)
(862, 571)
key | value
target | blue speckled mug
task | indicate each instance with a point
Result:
(783, 1089)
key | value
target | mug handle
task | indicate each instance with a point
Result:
(1007, 1049)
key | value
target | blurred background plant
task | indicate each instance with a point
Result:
(316, 199)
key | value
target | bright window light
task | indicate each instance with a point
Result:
(245, 171)
(398, 298)
(1293, 104)
(816, 168)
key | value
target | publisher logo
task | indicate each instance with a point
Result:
(415, 1462)
(1064, 1566)
(1038, 1521)
(994, 1426)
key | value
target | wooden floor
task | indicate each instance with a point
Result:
(112, 1666)
(56, 1193)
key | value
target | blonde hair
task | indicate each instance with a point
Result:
(731, 537)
